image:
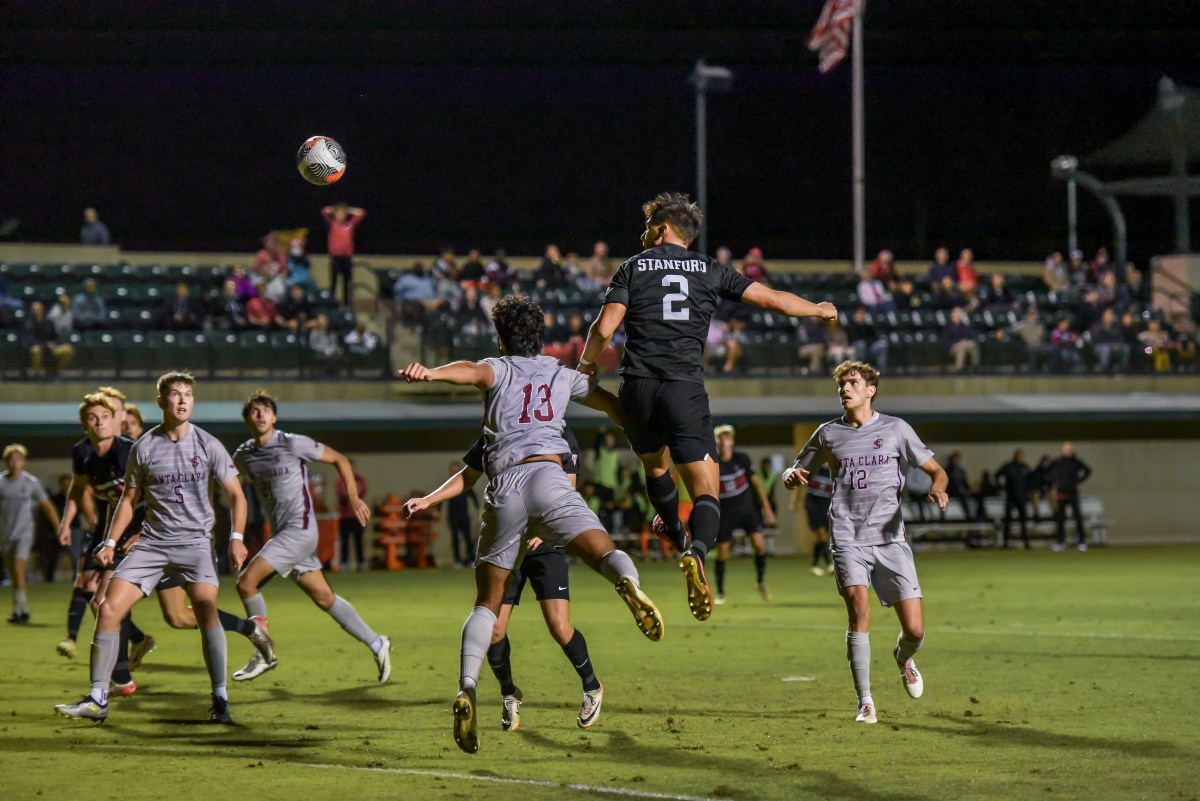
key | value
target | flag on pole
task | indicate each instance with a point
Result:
(830, 37)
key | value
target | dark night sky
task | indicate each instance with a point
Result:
(518, 123)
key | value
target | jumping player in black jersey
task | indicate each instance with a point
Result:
(741, 496)
(666, 296)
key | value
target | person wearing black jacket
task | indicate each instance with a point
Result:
(1014, 477)
(1067, 473)
(458, 514)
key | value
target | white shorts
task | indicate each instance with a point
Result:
(889, 568)
(290, 551)
(17, 548)
(536, 496)
(146, 564)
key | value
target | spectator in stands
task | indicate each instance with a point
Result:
(549, 273)
(472, 271)
(725, 257)
(1183, 335)
(810, 340)
(360, 341)
(414, 292)
(445, 266)
(1099, 267)
(571, 269)
(349, 528)
(61, 316)
(299, 269)
(1108, 344)
(904, 297)
(1014, 479)
(296, 311)
(753, 267)
(837, 343)
(229, 313)
(959, 487)
(726, 342)
(342, 220)
(606, 467)
(554, 333)
(324, 343)
(8, 304)
(183, 312)
(1054, 273)
(947, 295)
(996, 297)
(1066, 473)
(874, 295)
(576, 331)
(270, 269)
(469, 316)
(968, 276)
(491, 297)
(598, 269)
(868, 345)
(883, 268)
(41, 338)
(89, 308)
(260, 313)
(93, 231)
(960, 338)
(246, 288)
(1134, 294)
(448, 291)
(1076, 269)
(1131, 328)
(1064, 346)
(1032, 333)
(498, 270)
(941, 269)
(1107, 293)
(1156, 343)
(1087, 312)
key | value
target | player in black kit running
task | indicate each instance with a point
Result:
(666, 296)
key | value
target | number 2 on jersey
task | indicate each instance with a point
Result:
(544, 411)
(669, 310)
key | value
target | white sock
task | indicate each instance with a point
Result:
(378, 644)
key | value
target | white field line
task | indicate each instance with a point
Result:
(942, 631)
(431, 774)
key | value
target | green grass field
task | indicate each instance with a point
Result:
(1046, 676)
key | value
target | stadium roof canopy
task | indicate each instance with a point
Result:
(1171, 128)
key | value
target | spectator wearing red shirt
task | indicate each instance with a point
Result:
(270, 268)
(968, 276)
(348, 526)
(260, 313)
(753, 267)
(883, 268)
(342, 220)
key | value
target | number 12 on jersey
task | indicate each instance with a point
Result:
(670, 299)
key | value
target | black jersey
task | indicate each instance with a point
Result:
(671, 294)
(735, 479)
(106, 476)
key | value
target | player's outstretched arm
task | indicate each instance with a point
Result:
(120, 521)
(346, 473)
(452, 487)
(937, 493)
(786, 303)
(467, 374)
(237, 520)
(599, 335)
(71, 508)
(602, 400)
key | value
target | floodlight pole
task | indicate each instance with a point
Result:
(1072, 218)
(706, 78)
(1066, 168)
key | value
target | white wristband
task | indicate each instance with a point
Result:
(585, 362)
(110, 544)
(236, 536)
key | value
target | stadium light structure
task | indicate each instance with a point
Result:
(1066, 168)
(705, 78)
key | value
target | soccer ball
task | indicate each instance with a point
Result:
(321, 160)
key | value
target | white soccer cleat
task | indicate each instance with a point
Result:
(910, 677)
(589, 710)
(87, 709)
(510, 719)
(719, 600)
(1081, 546)
(817, 571)
(383, 659)
(67, 648)
(261, 639)
(866, 714)
(254, 668)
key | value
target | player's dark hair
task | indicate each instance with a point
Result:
(170, 379)
(260, 397)
(131, 410)
(869, 374)
(519, 323)
(677, 210)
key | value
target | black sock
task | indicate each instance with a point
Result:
(75, 612)
(120, 672)
(498, 660)
(705, 523)
(230, 622)
(720, 576)
(665, 500)
(577, 651)
(760, 565)
(136, 635)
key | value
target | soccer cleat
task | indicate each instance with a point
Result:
(648, 618)
(384, 659)
(700, 600)
(219, 711)
(910, 677)
(720, 599)
(67, 648)
(818, 571)
(87, 709)
(138, 651)
(126, 689)
(1058, 547)
(866, 714)
(510, 719)
(20, 618)
(1081, 546)
(465, 732)
(254, 668)
(589, 710)
(762, 590)
(261, 638)
(678, 540)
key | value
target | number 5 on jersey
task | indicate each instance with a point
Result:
(669, 310)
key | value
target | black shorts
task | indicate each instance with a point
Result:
(734, 516)
(89, 553)
(659, 412)
(818, 516)
(546, 572)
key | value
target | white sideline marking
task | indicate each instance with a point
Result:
(435, 774)
(799, 678)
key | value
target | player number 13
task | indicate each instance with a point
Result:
(669, 310)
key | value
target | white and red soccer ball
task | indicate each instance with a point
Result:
(321, 160)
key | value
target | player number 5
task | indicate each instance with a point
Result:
(669, 311)
(178, 493)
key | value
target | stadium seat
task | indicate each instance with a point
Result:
(14, 356)
(195, 354)
(287, 349)
(224, 352)
(132, 352)
(99, 353)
